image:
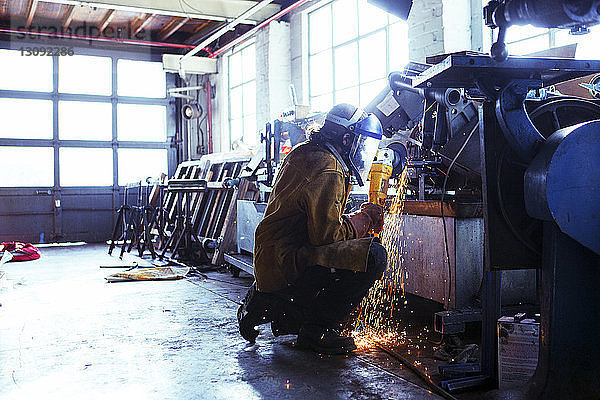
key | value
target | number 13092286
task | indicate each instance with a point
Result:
(46, 51)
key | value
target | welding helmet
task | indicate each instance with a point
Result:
(367, 132)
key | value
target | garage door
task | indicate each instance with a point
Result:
(74, 130)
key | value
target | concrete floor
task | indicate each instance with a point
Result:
(65, 333)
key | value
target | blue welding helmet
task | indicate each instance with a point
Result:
(367, 132)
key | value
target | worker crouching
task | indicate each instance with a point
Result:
(313, 265)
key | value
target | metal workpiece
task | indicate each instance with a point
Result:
(424, 258)
(469, 260)
(562, 184)
(453, 322)
(249, 214)
(520, 133)
(426, 267)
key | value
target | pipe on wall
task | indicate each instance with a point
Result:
(209, 115)
(223, 30)
(96, 38)
(252, 31)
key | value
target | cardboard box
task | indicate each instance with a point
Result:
(518, 346)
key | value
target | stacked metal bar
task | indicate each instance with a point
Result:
(200, 204)
(193, 217)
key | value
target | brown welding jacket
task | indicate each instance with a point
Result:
(303, 223)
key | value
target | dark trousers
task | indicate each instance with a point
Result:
(325, 298)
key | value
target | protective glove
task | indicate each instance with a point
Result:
(361, 223)
(375, 213)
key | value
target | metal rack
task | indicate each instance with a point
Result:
(189, 219)
(138, 222)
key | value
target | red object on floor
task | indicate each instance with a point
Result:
(21, 251)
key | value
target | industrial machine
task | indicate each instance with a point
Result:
(535, 153)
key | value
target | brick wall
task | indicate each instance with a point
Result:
(425, 29)
(273, 71)
(444, 26)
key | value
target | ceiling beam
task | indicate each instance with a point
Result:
(171, 28)
(201, 26)
(141, 23)
(214, 10)
(200, 33)
(68, 17)
(226, 28)
(106, 20)
(252, 32)
(31, 7)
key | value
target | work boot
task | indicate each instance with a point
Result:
(254, 311)
(324, 340)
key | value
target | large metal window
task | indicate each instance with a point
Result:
(70, 104)
(74, 130)
(352, 47)
(85, 75)
(242, 95)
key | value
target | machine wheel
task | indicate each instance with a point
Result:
(548, 117)
(558, 113)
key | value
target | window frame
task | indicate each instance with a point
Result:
(241, 85)
(114, 99)
(333, 92)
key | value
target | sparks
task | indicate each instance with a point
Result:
(374, 322)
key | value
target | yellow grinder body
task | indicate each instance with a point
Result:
(380, 173)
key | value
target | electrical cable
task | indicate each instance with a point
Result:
(512, 228)
(213, 292)
(429, 108)
(199, 130)
(190, 6)
(208, 278)
(447, 302)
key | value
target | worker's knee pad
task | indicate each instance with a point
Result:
(377, 259)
